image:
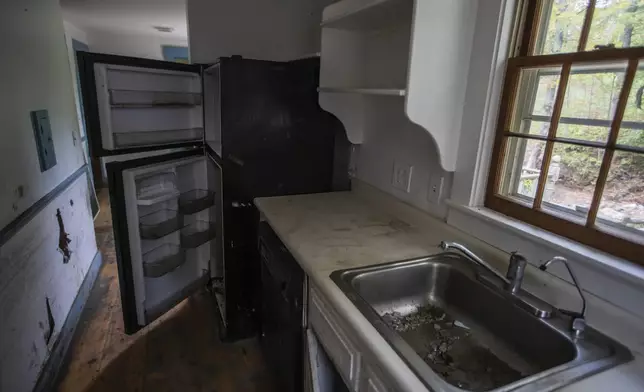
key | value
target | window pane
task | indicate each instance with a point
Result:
(521, 169)
(617, 22)
(632, 131)
(536, 94)
(583, 132)
(561, 26)
(631, 137)
(622, 204)
(572, 177)
(593, 91)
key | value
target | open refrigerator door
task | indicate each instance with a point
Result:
(134, 105)
(167, 225)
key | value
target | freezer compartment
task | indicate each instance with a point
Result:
(162, 260)
(197, 234)
(146, 107)
(137, 98)
(196, 200)
(160, 223)
(156, 137)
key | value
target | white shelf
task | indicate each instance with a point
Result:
(149, 199)
(366, 14)
(422, 46)
(364, 91)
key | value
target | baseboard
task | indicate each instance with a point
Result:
(50, 373)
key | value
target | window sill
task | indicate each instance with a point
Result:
(510, 234)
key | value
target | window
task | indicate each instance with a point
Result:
(569, 150)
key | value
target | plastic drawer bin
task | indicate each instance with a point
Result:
(159, 224)
(162, 260)
(196, 200)
(197, 234)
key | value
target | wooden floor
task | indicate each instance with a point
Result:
(178, 352)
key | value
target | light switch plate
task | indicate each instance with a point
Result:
(44, 140)
(435, 190)
(401, 178)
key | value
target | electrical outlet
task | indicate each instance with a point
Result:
(401, 178)
(435, 188)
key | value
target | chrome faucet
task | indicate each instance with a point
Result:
(516, 271)
(579, 319)
(512, 279)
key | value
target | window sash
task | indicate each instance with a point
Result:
(591, 233)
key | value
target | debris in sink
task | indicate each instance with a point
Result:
(460, 324)
(422, 316)
(449, 347)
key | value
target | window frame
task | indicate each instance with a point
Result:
(589, 233)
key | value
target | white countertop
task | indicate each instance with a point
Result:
(332, 231)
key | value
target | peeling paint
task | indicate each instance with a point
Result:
(63, 240)
(50, 321)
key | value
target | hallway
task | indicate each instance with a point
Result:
(178, 352)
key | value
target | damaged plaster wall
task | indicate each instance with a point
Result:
(32, 270)
(37, 288)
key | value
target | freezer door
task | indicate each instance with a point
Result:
(165, 224)
(132, 104)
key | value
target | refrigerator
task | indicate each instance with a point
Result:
(190, 147)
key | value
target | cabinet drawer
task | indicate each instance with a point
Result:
(340, 349)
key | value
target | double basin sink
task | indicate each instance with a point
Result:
(459, 330)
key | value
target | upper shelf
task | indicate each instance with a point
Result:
(421, 47)
(366, 14)
(143, 99)
(364, 91)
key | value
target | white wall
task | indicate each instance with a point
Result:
(260, 29)
(390, 137)
(36, 75)
(145, 46)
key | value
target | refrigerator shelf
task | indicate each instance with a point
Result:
(157, 137)
(196, 200)
(143, 98)
(197, 234)
(160, 223)
(162, 260)
(156, 188)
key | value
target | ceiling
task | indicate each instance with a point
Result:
(128, 16)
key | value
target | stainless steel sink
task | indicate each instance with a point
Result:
(455, 327)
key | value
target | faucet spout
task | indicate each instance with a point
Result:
(473, 257)
(516, 271)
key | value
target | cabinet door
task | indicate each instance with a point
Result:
(321, 374)
(134, 105)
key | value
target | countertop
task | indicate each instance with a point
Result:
(333, 231)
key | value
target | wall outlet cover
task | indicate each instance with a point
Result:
(435, 190)
(401, 178)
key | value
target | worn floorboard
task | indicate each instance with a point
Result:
(178, 352)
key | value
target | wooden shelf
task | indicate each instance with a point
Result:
(364, 91)
(367, 14)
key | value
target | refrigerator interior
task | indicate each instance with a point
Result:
(212, 107)
(145, 106)
(174, 229)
